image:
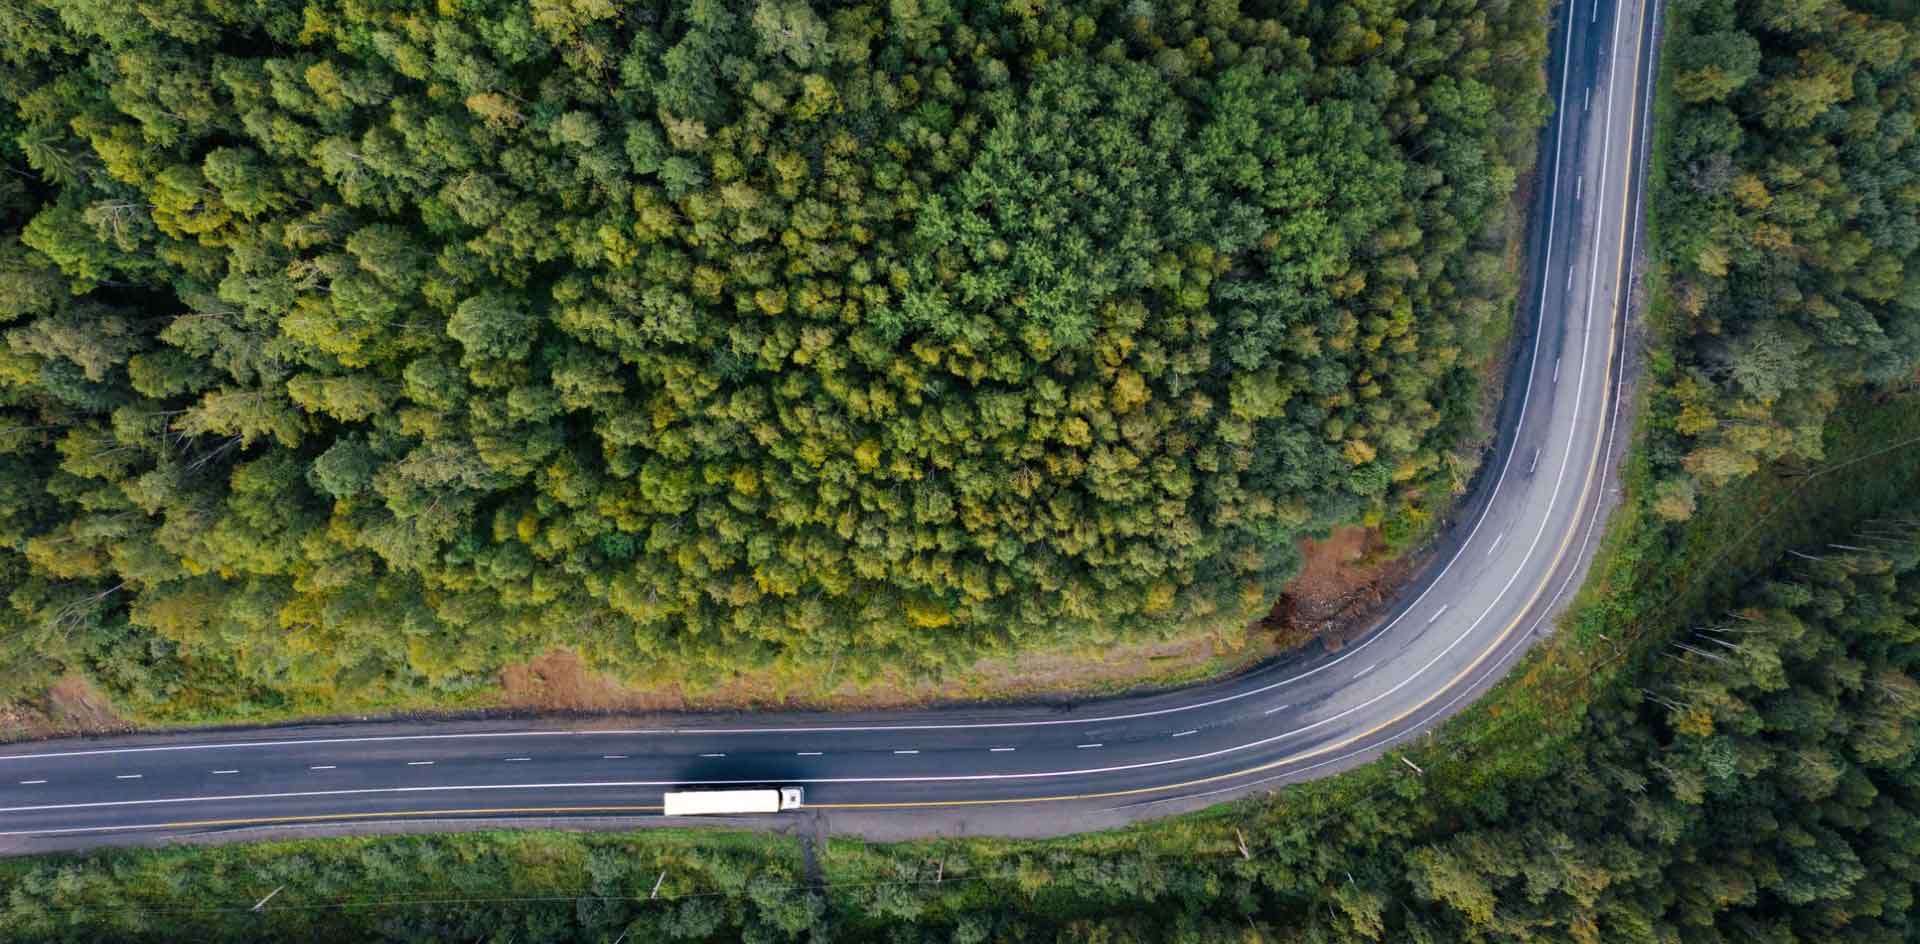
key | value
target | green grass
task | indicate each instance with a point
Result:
(1652, 579)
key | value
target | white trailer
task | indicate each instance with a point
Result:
(715, 802)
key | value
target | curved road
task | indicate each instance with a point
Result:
(1525, 535)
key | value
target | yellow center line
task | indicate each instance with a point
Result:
(1592, 473)
(1633, 127)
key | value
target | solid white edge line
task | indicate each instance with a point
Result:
(1559, 134)
(1526, 397)
(829, 780)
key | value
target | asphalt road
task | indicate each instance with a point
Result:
(1503, 569)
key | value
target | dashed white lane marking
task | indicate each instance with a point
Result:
(29, 783)
(1276, 708)
(713, 755)
(1088, 746)
(1569, 280)
(810, 753)
(518, 760)
(613, 757)
(999, 750)
(1436, 615)
(127, 776)
(1589, 105)
(1185, 733)
(234, 771)
(1496, 543)
(1579, 184)
(906, 752)
(1535, 463)
(1245, 694)
(1526, 396)
(322, 767)
(419, 763)
(1366, 670)
(1596, 12)
(1556, 370)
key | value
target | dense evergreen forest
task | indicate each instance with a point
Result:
(1756, 780)
(366, 345)
(1790, 223)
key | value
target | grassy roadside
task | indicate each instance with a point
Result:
(560, 682)
(1653, 579)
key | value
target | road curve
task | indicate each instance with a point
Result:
(1523, 537)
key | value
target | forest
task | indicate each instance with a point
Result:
(1746, 768)
(364, 346)
(1754, 777)
(1789, 217)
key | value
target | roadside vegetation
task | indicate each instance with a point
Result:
(1789, 221)
(354, 351)
(1767, 782)
(1721, 743)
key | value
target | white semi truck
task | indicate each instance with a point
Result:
(716, 802)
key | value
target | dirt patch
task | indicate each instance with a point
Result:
(23, 722)
(560, 681)
(1341, 589)
(69, 706)
(75, 705)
